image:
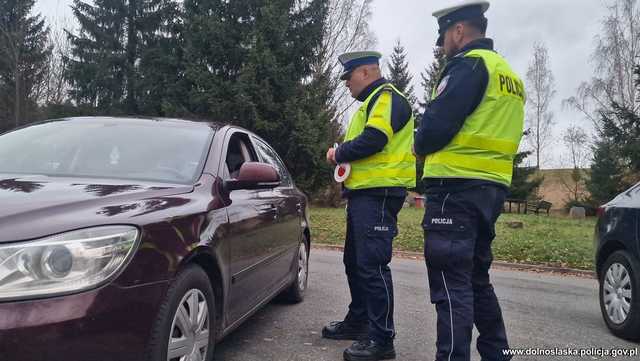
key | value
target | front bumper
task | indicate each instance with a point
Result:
(107, 324)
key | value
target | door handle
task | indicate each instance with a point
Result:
(267, 208)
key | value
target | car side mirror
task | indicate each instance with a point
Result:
(254, 175)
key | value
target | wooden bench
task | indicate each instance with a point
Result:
(515, 205)
(520, 206)
(537, 207)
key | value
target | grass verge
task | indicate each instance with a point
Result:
(544, 240)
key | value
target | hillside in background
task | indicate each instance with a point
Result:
(556, 186)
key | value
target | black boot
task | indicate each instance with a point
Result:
(343, 330)
(370, 351)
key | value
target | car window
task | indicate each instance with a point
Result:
(111, 149)
(239, 151)
(269, 156)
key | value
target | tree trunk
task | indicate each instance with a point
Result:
(538, 146)
(17, 86)
(131, 57)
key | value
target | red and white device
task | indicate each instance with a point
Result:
(342, 171)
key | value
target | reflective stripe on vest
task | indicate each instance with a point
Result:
(488, 142)
(395, 165)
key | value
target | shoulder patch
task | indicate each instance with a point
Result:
(442, 86)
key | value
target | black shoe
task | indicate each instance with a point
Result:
(369, 351)
(343, 330)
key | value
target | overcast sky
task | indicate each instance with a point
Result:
(566, 27)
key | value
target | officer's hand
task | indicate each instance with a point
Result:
(331, 156)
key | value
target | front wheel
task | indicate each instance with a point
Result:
(620, 295)
(185, 326)
(295, 292)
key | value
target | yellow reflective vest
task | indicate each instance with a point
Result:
(488, 142)
(395, 165)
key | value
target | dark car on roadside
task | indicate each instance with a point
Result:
(617, 238)
(141, 239)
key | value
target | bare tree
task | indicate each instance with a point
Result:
(11, 51)
(540, 93)
(22, 53)
(577, 141)
(617, 51)
(54, 87)
(346, 29)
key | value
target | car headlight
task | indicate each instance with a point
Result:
(64, 263)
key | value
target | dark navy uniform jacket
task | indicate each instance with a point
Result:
(461, 88)
(372, 140)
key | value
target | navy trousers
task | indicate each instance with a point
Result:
(371, 227)
(459, 228)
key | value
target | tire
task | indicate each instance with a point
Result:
(620, 296)
(191, 287)
(295, 292)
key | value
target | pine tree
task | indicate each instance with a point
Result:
(399, 74)
(288, 112)
(622, 128)
(216, 41)
(524, 185)
(250, 63)
(616, 155)
(161, 85)
(115, 37)
(621, 125)
(23, 56)
(431, 76)
(607, 175)
(99, 55)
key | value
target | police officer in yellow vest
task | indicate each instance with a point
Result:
(378, 145)
(469, 133)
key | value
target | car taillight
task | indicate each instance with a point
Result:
(600, 212)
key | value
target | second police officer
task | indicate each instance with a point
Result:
(470, 134)
(378, 145)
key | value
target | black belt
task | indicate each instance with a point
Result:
(437, 185)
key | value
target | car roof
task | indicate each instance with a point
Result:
(140, 120)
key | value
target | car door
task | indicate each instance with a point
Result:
(252, 217)
(288, 229)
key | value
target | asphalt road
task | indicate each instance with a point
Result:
(541, 311)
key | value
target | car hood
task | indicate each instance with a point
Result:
(38, 206)
(627, 199)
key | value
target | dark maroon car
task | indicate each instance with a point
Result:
(141, 239)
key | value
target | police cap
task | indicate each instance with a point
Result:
(350, 61)
(464, 10)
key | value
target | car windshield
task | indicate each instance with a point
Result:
(144, 150)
